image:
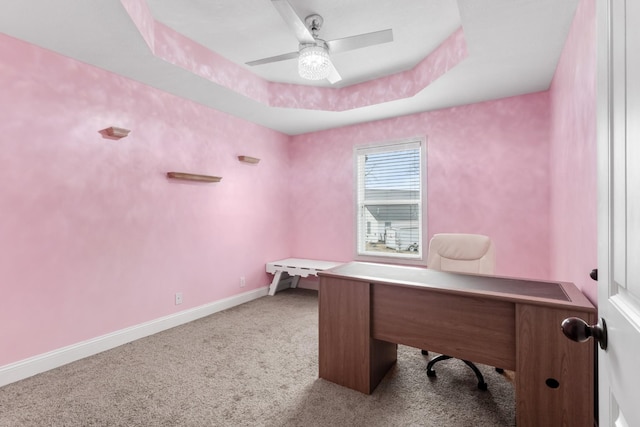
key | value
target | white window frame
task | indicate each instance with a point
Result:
(361, 253)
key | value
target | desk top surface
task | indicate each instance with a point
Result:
(517, 290)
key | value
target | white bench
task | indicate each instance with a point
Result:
(296, 268)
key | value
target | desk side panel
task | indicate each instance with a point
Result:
(347, 354)
(545, 355)
(474, 328)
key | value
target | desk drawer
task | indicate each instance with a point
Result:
(475, 328)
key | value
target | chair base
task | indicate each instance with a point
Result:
(431, 373)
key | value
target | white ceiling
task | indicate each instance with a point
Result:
(513, 48)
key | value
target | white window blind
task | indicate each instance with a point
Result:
(390, 181)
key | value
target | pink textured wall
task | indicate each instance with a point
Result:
(488, 172)
(94, 237)
(573, 156)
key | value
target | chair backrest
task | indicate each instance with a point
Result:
(461, 253)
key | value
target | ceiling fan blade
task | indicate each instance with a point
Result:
(294, 21)
(334, 76)
(360, 41)
(277, 58)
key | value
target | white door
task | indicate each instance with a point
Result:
(619, 210)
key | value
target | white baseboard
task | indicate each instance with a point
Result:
(53, 359)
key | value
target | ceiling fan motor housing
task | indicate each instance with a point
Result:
(318, 43)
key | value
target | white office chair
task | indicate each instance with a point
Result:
(461, 253)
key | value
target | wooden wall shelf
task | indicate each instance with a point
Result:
(248, 159)
(193, 177)
(114, 132)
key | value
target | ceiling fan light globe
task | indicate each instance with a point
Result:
(314, 63)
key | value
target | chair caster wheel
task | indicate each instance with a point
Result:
(431, 374)
(482, 386)
(424, 352)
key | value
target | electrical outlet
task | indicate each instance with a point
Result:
(178, 298)
(242, 282)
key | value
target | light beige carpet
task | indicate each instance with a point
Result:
(253, 365)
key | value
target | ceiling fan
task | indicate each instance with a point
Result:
(314, 62)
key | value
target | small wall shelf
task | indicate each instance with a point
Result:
(115, 133)
(193, 177)
(247, 159)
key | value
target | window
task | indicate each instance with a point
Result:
(389, 180)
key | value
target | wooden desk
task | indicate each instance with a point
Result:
(366, 309)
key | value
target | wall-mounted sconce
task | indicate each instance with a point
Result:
(193, 177)
(114, 132)
(248, 159)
